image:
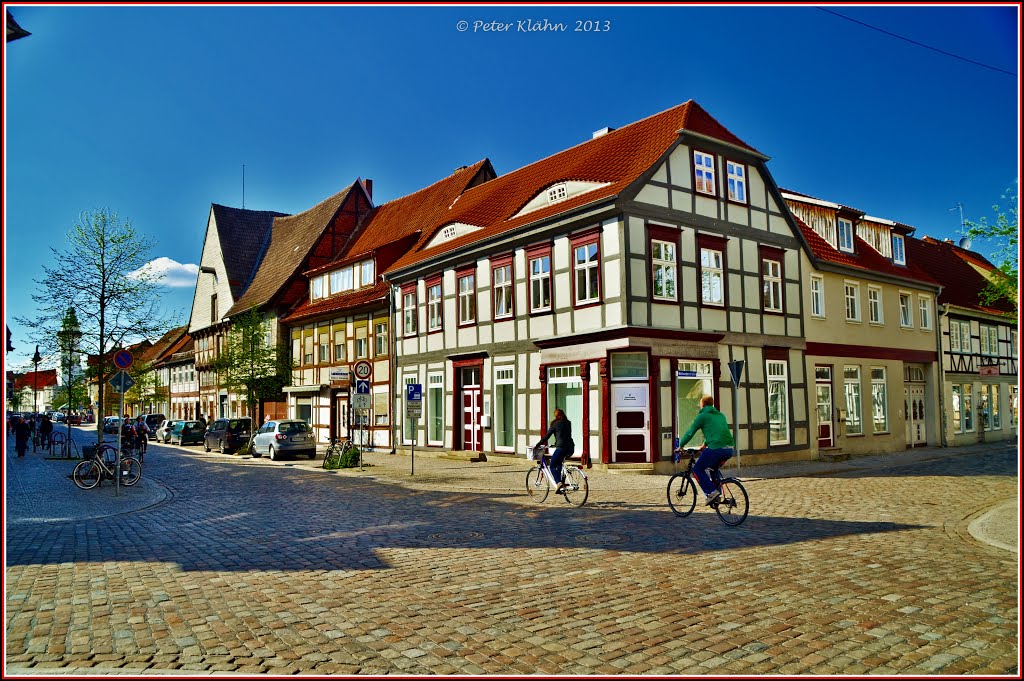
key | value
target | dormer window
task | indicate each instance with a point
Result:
(448, 233)
(845, 235)
(557, 193)
(899, 253)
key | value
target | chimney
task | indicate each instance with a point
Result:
(601, 133)
(369, 188)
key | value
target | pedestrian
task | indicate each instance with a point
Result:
(45, 431)
(561, 428)
(21, 435)
(718, 445)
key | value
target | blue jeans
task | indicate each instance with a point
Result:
(558, 455)
(710, 459)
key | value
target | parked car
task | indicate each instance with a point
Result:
(153, 422)
(288, 436)
(186, 433)
(163, 432)
(227, 435)
(75, 419)
(111, 424)
(59, 416)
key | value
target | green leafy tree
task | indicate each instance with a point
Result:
(249, 364)
(147, 386)
(101, 274)
(1003, 235)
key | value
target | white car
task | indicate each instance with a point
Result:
(287, 436)
(163, 432)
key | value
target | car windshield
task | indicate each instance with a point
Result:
(293, 427)
(237, 426)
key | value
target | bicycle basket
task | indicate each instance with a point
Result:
(534, 453)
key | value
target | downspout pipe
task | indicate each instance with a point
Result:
(943, 417)
(392, 347)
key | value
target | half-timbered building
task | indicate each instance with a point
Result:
(979, 346)
(615, 280)
(870, 329)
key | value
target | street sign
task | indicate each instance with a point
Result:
(123, 359)
(362, 398)
(413, 400)
(362, 369)
(736, 369)
(340, 376)
(121, 382)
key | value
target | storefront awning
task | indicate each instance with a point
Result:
(304, 388)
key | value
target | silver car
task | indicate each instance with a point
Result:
(287, 436)
(163, 433)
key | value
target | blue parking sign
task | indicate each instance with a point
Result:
(414, 392)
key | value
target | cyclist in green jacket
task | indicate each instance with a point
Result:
(718, 445)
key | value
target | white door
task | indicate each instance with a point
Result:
(914, 406)
(630, 421)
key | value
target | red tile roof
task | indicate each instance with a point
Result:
(863, 258)
(617, 158)
(46, 378)
(352, 300)
(291, 240)
(951, 265)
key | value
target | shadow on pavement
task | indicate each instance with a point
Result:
(230, 517)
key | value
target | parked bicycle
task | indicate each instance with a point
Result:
(540, 480)
(335, 456)
(102, 466)
(731, 505)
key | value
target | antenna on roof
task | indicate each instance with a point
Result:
(965, 241)
(243, 186)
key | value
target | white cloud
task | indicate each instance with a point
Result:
(169, 272)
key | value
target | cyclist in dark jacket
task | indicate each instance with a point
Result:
(564, 447)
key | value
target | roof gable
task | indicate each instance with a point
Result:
(246, 234)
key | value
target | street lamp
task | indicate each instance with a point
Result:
(36, 359)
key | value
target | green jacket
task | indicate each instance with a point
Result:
(714, 426)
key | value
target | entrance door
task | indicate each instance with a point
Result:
(913, 405)
(823, 391)
(630, 421)
(472, 394)
(341, 416)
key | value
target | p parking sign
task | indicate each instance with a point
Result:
(413, 400)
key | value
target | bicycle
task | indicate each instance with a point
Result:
(731, 505)
(101, 466)
(540, 480)
(333, 459)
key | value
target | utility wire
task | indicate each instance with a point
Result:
(935, 49)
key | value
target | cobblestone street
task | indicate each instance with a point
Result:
(251, 566)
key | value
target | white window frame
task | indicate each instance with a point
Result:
(316, 288)
(557, 193)
(771, 296)
(906, 311)
(362, 343)
(736, 174)
(504, 375)
(989, 340)
(323, 348)
(435, 299)
(540, 283)
(409, 313)
(854, 403)
(663, 260)
(817, 288)
(380, 339)
(778, 378)
(924, 304)
(589, 267)
(879, 401)
(467, 298)
(876, 314)
(339, 345)
(704, 173)
(502, 282)
(899, 251)
(712, 272)
(435, 382)
(851, 294)
(845, 235)
(367, 270)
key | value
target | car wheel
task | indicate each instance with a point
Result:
(312, 454)
(273, 453)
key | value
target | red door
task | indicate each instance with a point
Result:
(472, 392)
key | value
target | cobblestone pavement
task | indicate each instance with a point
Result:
(229, 564)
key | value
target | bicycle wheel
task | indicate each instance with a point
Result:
(537, 485)
(576, 485)
(733, 505)
(682, 494)
(131, 471)
(87, 474)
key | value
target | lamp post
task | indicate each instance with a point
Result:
(36, 359)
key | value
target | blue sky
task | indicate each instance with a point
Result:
(152, 111)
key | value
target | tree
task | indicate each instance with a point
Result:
(1004, 236)
(146, 388)
(101, 275)
(249, 363)
(71, 390)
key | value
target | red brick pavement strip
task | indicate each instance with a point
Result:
(830, 575)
